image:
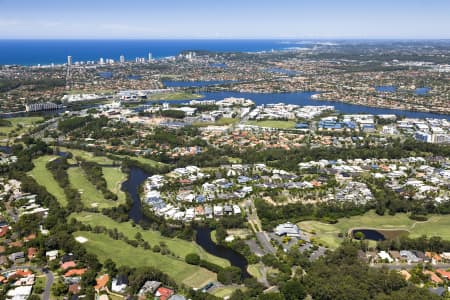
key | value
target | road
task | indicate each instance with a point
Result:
(49, 282)
(405, 266)
(261, 235)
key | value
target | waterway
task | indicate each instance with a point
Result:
(203, 238)
(304, 98)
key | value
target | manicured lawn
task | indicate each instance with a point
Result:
(25, 122)
(175, 96)
(45, 178)
(180, 247)
(125, 255)
(143, 160)
(90, 196)
(114, 178)
(224, 291)
(437, 225)
(273, 124)
(88, 156)
(255, 270)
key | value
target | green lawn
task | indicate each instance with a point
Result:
(437, 225)
(45, 178)
(125, 255)
(273, 124)
(220, 122)
(180, 247)
(90, 196)
(22, 122)
(225, 291)
(143, 160)
(114, 178)
(255, 270)
(175, 96)
(88, 156)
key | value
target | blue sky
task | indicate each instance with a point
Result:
(225, 19)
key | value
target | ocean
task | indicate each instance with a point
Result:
(34, 52)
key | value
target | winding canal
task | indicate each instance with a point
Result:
(203, 237)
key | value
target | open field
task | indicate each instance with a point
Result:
(19, 124)
(273, 124)
(180, 247)
(45, 178)
(123, 254)
(114, 178)
(175, 96)
(220, 122)
(437, 225)
(90, 196)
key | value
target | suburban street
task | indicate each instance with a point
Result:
(48, 284)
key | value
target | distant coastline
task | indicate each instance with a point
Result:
(30, 52)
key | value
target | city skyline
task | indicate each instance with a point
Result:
(202, 19)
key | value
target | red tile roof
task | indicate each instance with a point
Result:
(164, 293)
(69, 264)
(102, 281)
(443, 273)
(75, 272)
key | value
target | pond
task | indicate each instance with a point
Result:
(370, 234)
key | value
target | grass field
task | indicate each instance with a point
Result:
(45, 178)
(90, 196)
(180, 247)
(273, 124)
(143, 160)
(23, 122)
(175, 96)
(437, 225)
(125, 255)
(220, 122)
(225, 291)
(88, 156)
(114, 178)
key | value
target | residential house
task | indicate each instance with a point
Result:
(164, 293)
(119, 284)
(102, 282)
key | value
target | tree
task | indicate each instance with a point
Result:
(271, 296)
(229, 275)
(192, 259)
(293, 290)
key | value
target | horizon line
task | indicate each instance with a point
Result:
(226, 38)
